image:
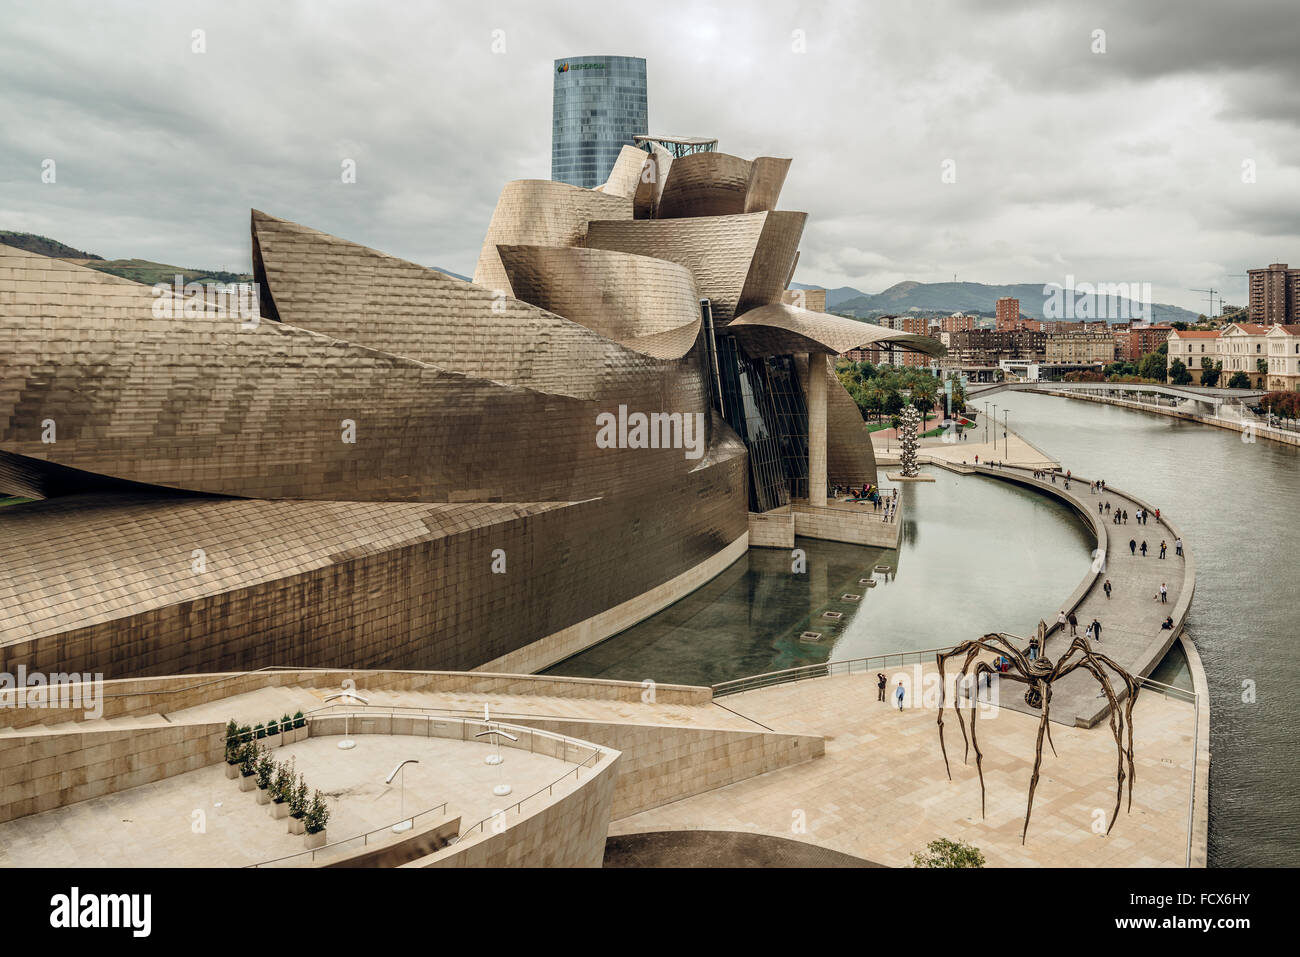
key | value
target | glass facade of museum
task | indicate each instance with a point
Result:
(763, 401)
(599, 105)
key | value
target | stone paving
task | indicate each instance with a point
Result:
(881, 793)
(1130, 618)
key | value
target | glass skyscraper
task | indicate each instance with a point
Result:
(599, 105)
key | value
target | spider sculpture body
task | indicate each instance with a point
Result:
(1038, 674)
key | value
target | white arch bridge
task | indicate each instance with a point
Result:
(1182, 397)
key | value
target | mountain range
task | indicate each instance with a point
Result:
(977, 297)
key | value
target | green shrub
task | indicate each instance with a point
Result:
(265, 769)
(946, 853)
(282, 787)
(298, 720)
(248, 752)
(232, 742)
(259, 731)
(298, 801)
(317, 815)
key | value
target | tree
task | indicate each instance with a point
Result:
(1210, 372)
(1261, 365)
(946, 853)
(1178, 373)
(1179, 325)
(1239, 380)
(1152, 366)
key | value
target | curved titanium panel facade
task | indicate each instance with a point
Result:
(536, 212)
(645, 304)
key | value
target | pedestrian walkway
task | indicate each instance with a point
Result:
(1131, 618)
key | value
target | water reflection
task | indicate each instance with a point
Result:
(975, 556)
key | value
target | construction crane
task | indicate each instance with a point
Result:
(1212, 293)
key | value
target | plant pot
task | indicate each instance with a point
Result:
(247, 782)
(297, 826)
(232, 771)
(279, 809)
(315, 840)
(263, 795)
(300, 733)
(272, 740)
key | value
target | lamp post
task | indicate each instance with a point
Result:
(1006, 431)
(406, 823)
(995, 428)
(495, 758)
(347, 744)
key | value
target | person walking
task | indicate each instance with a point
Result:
(1060, 620)
(899, 694)
(1087, 633)
(1178, 547)
(1096, 630)
(1100, 508)
(1133, 546)
(1106, 588)
(1157, 516)
(1125, 516)
(1164, 593)
(880, 686)
(1144, 548)
(1108, 506)
(1074, 625)
(1163, 548)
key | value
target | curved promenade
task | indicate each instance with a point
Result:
(1131, 617)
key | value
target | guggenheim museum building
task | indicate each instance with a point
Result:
(387, 467)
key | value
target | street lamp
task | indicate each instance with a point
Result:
(1006, 430)
(347, 744)
(406, 823)
(995, 428)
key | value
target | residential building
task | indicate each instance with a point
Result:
(1080, 348)
(1007, 312)
(1133, 341)
(1274, 294)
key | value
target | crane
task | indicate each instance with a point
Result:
(1212, 293)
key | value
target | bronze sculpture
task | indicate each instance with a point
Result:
(1038, 674)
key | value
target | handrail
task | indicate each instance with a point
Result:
(576, 772)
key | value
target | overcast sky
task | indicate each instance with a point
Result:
(1122, 166)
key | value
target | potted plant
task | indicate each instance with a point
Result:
(298, 805)
(317, 817)
(232, 750)
(282, 789)
(273, 734)
(265, 773)
(248, 766)
(259, 731)
(299, 727)
(299, 802)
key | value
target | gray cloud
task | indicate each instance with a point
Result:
(1124, 166)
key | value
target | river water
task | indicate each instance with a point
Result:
(978, 555)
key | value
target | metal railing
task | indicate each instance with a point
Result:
(363, 838)
(518, 805)
(825, 669)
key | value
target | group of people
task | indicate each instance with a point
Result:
(1091, 633)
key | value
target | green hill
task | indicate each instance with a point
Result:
(139, 270)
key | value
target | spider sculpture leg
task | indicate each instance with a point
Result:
(1044, 686)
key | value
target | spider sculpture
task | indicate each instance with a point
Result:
(1038, 674)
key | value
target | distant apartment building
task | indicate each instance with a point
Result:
(1080, 347)
(1191, 346)
(1007, 313)
(1243, 347)
(957, 322)
(979, 348)
(1283, 358)
(1134, 341)
(1274, 295)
